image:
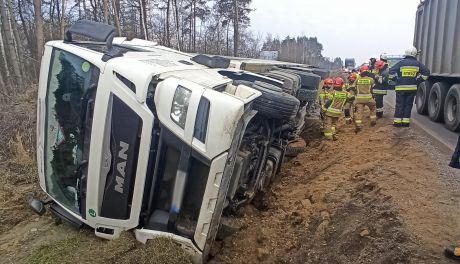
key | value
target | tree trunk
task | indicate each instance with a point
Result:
(62, 32)
(176, 12)
(39, 28)
(4, 66)
(236, 32)
(10, 44)
(26, 29)
(194, 26)
(3, 51)
(106, 11)
(168, 14)
(17, 38)
(228, 47)
(116, 11)
(143, 18)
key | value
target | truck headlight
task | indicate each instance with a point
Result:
(179, 106)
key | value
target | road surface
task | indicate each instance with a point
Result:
(435, 130)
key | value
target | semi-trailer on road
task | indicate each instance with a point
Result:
(437, 37)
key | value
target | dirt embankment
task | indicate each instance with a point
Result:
(375, 197)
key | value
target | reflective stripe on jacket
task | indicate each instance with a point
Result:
(339, 98)
(364, 85)
(408, 74)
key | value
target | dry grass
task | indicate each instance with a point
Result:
(83, 247)
(18, 176)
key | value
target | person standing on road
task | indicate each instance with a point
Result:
(407, 74)
(381, 83)
(364, 84)
(334, 111)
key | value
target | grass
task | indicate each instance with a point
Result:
(83, 247)
(55, 253)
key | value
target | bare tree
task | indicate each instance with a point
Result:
(106, 11)
(10, 44)
(236, 22)
(116, 15)
(40, 39)
(168, 15)
(62, 28)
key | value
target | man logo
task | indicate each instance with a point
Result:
(121, 167)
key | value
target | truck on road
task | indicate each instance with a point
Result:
(437, 37)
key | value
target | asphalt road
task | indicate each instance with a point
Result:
(435, 130)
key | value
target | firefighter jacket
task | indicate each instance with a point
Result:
(324, 98)
(381, 81)
(338, 100)
(408, 74)
(350, 87)
(364, 84)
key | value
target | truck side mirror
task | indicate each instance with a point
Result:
(37, 206)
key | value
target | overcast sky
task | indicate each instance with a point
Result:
(347, 28)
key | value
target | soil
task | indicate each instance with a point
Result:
(375, 197)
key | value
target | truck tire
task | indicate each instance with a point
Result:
(452, 108)
(305, 95)
(436, 101)
(274, 104)
(421, 101)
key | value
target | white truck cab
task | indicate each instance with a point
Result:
(135, 136)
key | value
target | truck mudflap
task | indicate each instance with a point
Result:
(142, 235)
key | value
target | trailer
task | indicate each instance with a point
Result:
(437, 37)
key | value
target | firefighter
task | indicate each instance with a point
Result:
(351, 89)
(364, 84)
(324, 98)
(408, 74)
(334, 111)
(380, 88)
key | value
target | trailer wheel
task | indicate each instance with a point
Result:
(436, 101)
(421, 102)
(452, 108)
(275, 104)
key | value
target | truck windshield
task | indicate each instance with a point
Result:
(70, 96)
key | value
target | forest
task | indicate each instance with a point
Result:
(196, 26)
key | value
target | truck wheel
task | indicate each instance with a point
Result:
(421, 101)
(305, 95)
(436, 101)
(274, 104)
(452, 108)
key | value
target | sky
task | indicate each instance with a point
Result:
(358, 29)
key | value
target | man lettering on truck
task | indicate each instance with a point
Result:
(407, 74)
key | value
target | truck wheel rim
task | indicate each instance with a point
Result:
(451, 109)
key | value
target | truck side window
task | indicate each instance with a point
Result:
(179, 105)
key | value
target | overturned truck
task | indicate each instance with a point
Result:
(136, 136)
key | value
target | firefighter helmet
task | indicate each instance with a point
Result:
(338, 83)
(329, 82)
(380, 64)
(364, 68)
(411, 52)
(352, 77)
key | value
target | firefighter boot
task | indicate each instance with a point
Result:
(452, 252)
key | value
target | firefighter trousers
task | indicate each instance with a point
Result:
(347, 110)
(330, 125)
(403, 109)
(360, 113)
(379, 104)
